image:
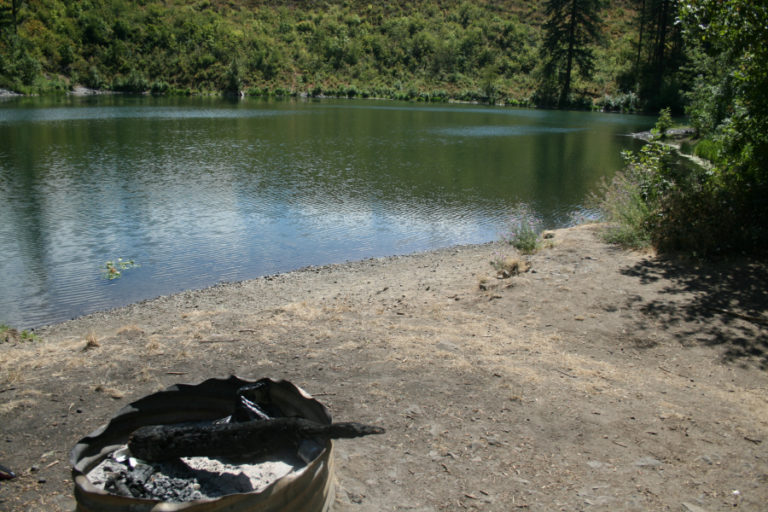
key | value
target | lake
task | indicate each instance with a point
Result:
(203, 190)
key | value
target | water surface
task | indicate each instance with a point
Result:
(199, 190)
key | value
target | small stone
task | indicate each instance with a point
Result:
(690, 507)
(33, 469)
(648, 462)
(447, 346)
(41, 480)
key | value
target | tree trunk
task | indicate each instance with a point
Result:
(640, 42)
(566, 90)
(661, 44)
(14, 12)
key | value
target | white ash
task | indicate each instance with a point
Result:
(188, 478)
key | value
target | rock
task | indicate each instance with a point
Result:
(690, 507)
(648, 462)
(447, 346)
(6, 473)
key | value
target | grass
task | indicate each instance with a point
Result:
(523, 231)
(8, 334)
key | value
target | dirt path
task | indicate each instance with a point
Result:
(599, 380)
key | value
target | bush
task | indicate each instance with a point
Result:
(632, 201)
(159, 88)
(134, 83)
(707, 149)
(621, 102)
(663, 124)
(523, 231)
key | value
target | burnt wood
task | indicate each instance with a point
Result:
(248, 439)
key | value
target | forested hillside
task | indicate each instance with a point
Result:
(431, 50)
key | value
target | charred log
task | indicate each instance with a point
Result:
(251, 439)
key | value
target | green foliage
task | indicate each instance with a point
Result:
(135, 83)
(620, 102)
(9, 334)
(663, 124)
(729, 108)
(523, 231)
(232, 80)
(708, 150)
(707, 212)
(420, 51)
(114, 269)
(633, 202)
(572, 27)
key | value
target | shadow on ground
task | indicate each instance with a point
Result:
(721, 303)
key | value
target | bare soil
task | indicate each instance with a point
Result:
(599, 379)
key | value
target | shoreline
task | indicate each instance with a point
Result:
(599, 377)
(221, 286)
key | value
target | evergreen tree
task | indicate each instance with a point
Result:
(656, 74)
(9, 10)
(572, 27)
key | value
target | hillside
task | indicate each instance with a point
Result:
(431, 50)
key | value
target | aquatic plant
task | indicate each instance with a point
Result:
(113, 269)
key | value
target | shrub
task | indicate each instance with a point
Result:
(672, 204)
(160, 88)
(523, 231)
(663, 124)
(707, 149)
(134, 82)
(632, 200)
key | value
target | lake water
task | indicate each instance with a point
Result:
(199, 190)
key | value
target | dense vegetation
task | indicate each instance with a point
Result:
(722, 209)
(436, 49)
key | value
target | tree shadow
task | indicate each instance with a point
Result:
(723, 303)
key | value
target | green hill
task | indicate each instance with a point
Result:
(432, 50)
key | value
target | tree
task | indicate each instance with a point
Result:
(710, 212)
(571, 27)
(659, 59)
(729, 41)
(13, 8)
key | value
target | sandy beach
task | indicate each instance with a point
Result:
(600, 379)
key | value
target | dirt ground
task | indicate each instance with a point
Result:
(599, 380)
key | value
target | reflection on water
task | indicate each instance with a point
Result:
(200, 191)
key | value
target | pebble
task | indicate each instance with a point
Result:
(648, 462)
(690, 507)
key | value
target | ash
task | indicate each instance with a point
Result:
(187, 478)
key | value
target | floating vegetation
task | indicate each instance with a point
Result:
(114, 269)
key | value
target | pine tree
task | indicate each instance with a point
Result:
(572, 27)
(660, 56)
